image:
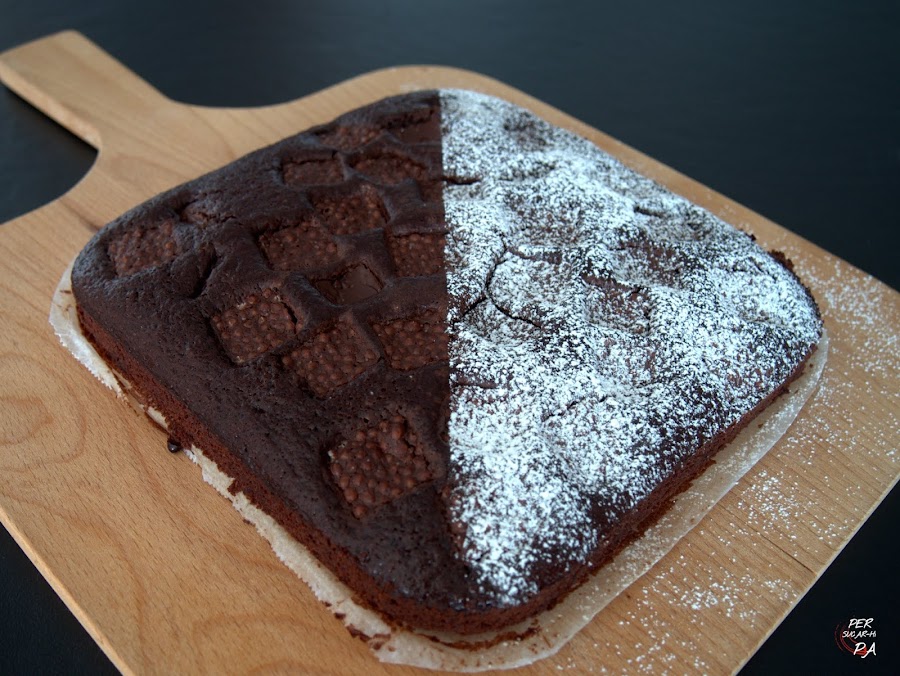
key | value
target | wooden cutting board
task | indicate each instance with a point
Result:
(168, 578)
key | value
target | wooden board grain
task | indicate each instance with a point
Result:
(168, 578)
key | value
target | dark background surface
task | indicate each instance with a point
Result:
(792, 109)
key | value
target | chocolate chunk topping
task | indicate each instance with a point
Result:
(379, 465)
(415, 341)
(142, 248)
(300, 247)
(256, 325)
(312, 172)
(390, 168)
(350, 211)
(331, 358)
(417, 254)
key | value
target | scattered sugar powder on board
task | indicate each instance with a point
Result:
(768, 506)
(594, 317)
(869, 344)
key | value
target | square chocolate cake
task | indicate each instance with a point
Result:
(461, 355)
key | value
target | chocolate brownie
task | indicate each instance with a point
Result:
(460, 354)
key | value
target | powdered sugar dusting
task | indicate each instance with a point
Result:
(602, 328)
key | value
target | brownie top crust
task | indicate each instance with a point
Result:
(457, 352)
(295, 302)
(604, 331)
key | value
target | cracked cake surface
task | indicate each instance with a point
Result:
(457, 352)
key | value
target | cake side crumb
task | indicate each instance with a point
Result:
(64, 320)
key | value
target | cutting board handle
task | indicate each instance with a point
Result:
(83, 88)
